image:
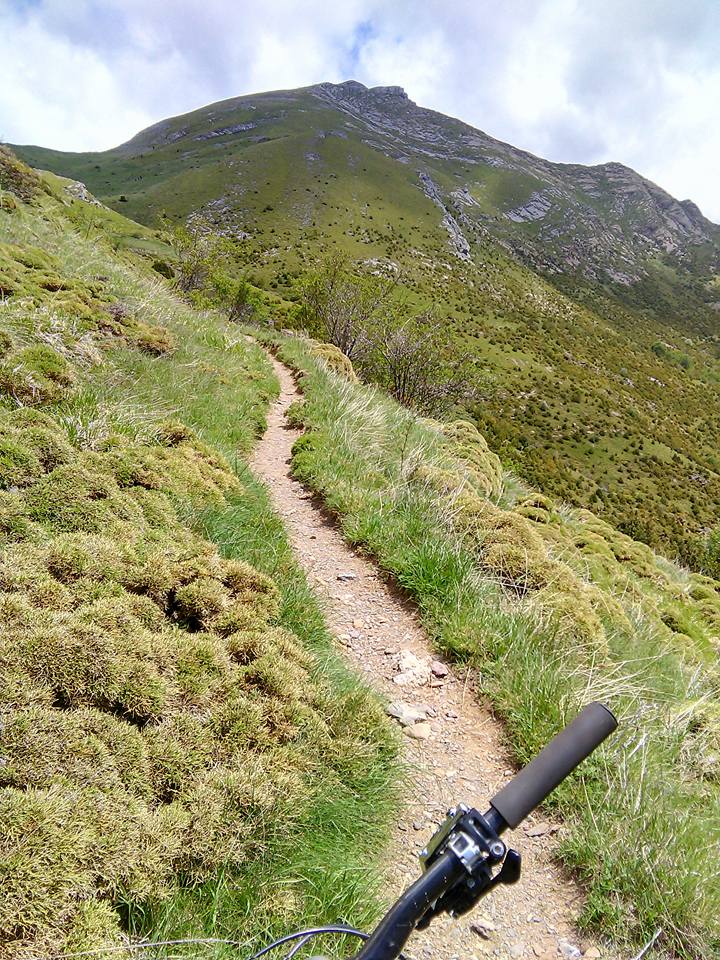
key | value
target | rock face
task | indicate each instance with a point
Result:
(602, 221)
(535, 209)
(458, 242)
(224, 131)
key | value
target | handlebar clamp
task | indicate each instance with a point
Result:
(468, 835)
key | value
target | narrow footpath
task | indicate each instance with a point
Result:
(453, 745)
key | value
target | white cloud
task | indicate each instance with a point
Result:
(573, 80)
(56, 94)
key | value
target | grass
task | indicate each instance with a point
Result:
(572, 396)
(643, 815)
(184, 753)
(317, 872)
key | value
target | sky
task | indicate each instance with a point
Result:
(581, 81)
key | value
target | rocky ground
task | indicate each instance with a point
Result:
(454, 746)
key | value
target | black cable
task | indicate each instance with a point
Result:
(311, 932)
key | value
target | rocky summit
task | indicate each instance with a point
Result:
(607, 223)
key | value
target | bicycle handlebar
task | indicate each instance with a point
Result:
(559, 758)
(508, 808)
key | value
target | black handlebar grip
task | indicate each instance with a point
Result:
(554, 762)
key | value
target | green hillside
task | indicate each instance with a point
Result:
(553, 608)
(183, 752)
(586, 297)
(179, 744)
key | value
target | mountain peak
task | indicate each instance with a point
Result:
(354, 91)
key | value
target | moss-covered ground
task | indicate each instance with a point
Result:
(182, 754)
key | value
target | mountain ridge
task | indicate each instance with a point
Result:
(587, 298)
(604, 224)
(396, 94)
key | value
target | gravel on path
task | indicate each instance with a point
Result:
(453, 744)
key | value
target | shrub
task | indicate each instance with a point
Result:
(414, 360)
(163, 268)
(336, 360)
(339, 306)
(235, 296)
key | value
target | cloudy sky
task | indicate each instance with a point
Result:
(573, 80)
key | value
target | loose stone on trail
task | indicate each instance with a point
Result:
(458, 757)
(404, 713)
(419, 731)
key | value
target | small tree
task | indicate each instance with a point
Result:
(195, 247)
(412, 358)
(339, 306)
(235, 296)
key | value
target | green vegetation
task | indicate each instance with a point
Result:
(407, 353)
(553, 607)
(594, 368)
(561, 316)
(182, 754)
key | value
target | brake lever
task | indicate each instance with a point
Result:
(472, 838)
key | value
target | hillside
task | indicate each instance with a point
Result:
(169, 688)
(586, 296)
(179, 740)
(549, 608)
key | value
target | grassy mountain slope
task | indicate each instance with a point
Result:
(182, 754)
(554, 605)
(586, 297)
(554, 608)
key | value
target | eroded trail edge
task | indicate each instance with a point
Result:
(452, 743)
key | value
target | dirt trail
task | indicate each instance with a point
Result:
(454, 749)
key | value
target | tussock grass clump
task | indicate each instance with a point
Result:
(30, 274)
(483, 467)
(17, 178)
(36, 374)
(508, 548)
(172, 754)
(335, 360)
(30, 278)
(145, 690)
(157, 724)
(294, 414)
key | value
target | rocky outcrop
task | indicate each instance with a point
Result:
(602, 221)
(464, 197)
(352, 94)
(78, 191)
(535, 209)
(458, 241)
(224, 131)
